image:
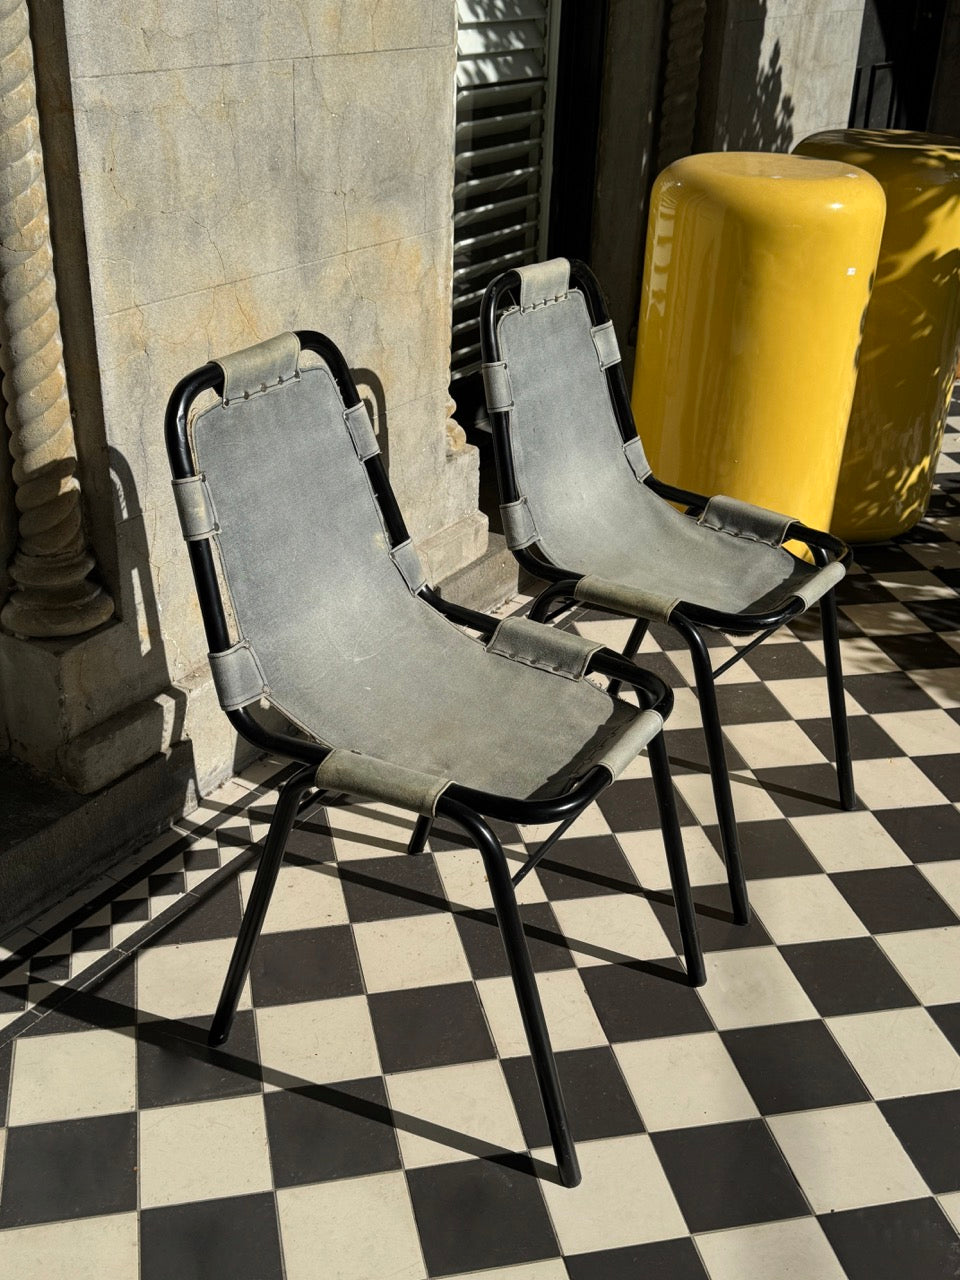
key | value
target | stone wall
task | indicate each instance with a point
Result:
(240, 169)
(776, 71)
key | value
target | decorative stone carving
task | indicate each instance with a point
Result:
(53, 595)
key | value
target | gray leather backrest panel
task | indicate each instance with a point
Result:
(303, 545)
(592, 513)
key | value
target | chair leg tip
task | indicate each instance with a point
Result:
(218, 1036)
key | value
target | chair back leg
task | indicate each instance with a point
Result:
(719, 776)
(280, 826)
(676, 862)
(521, 971)
(838, 705)
(421, 832)
(630, 650)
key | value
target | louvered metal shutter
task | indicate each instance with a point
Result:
(506, 56)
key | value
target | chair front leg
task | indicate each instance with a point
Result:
(521, 971)
(719, 776)
(838, 706)
(280, 826)
(676, 861)
(421, 831)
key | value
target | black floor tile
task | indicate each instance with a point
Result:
(598, 1100)
(785, 662)
(235, 1239)
(947, 1018)
(889, 899)
(888, 691)
(310, 839)
(770, 848)
(585, 866)
(929, 833)
(861, 588)
(938, 615)
(801, 789)
(129, 910)
(480, 935)
(663, 1260)
(867, 740)
(175, 1064)
(443, 836)
(635, 1004)
(727, 1175)
(714, 920)
(429, 1027)
(6, 1059)
(847, 975)
(749, 703)
(911, 1239)
(687, 749)
(793, 1066)
(943, 772)
(330, 1131)
(631, 805)
(386, 888)
(214, 915)
(71, 1169)
(924, 651)
(928, 1125)
(109, 1002)
(305, 964)
(507, 1223)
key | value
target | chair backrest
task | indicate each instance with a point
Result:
(279, 477)
(546, 373)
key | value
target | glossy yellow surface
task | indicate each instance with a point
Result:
(756, 279)
(912, 332)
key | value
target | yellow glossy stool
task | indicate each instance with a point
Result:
(909, 355)
(756, 278)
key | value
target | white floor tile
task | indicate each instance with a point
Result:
(922, 733)
(319, 1041)
(369, 830)
(751, 802)
(621, 923)
(806, 698)
(412, 951)
(624, 1198)
(894, 783)
(360, 1228)
(793, 1250)
(570, 1016)
(928, 959)
(470, 1098)
(465, 880)
(942, 684)
(846, 1157)
(64, 1077)
(644, 852)
(751, 987)
(945, 878)
(898, 1052)
(772, 745)
(80, 1249)
(883, 619)
(184, 981)
(203, 1151)
(804, 909)
(859, 656)
(551, 1269)
(950, 1204)
(303, 898)
(681, 1081)
(849, 841)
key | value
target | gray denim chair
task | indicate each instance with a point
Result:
(314, 602)
(582, 510)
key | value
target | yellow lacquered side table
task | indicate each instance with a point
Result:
(757, 274)
(910, 341)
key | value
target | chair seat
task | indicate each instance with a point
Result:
(432, 698)
(691, 561)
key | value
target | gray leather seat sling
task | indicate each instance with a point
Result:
(581, 509)
(315, 605)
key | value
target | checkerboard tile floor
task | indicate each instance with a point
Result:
(374, 1112)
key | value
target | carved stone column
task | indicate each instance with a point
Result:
(53, 595)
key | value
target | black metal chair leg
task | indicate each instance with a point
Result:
(719, 776)
(676, 860)
(634, 641)
(838, 706)
(264, 881)
(418, 841)
(528, 997)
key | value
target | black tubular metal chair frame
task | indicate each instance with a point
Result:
(466, 807)
(687, 618)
